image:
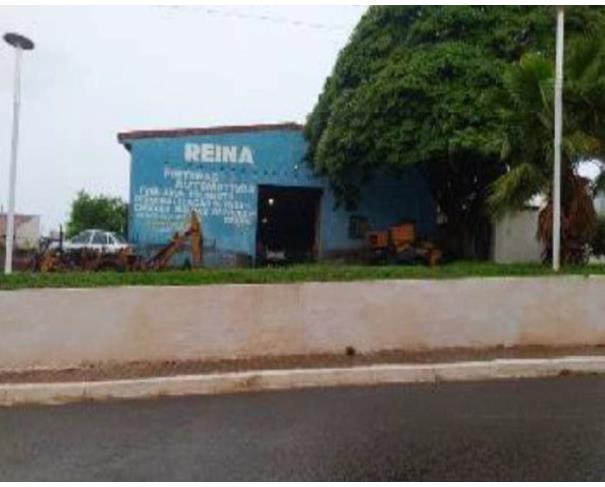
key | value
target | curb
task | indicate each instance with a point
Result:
(265, 380)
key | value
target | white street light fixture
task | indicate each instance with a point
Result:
(20, 43)
(556, 213)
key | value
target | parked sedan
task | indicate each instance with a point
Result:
(93, 239)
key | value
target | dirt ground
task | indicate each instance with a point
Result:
(349, 358)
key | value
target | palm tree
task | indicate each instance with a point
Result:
(527, 147)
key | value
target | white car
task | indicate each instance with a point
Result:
(93, 239)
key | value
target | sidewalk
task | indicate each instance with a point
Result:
(348, 358)
(148, 380)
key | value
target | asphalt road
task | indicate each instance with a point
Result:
(552, 429)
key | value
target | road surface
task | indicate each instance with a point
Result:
(547, 429)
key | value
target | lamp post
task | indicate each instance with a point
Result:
(556, 213)
(20, 43)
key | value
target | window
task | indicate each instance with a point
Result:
(118, 238)
(99, 239)
(358, 226)
(82, 237)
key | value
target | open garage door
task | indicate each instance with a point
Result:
(288, 224)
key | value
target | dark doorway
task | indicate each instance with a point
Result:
(287, 227)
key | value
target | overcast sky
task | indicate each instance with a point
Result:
(100, 70)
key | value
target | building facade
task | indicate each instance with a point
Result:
(27, 231)
(256, 196)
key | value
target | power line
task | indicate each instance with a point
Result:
(266, 18)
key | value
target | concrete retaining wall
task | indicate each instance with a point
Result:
(64, 327)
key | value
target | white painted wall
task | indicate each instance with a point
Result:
(599, 204)
(66, 327)
(27, 234)
(27, 230)
(514, 238)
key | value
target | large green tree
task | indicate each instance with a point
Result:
(419, 85)
(103, 212)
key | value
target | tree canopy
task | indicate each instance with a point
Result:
(420, 85)
(102, 212)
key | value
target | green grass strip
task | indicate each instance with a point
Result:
(297, 273)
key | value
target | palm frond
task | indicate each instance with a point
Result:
(580, 145)
(514, 189)
(585, 60)
(530, 82)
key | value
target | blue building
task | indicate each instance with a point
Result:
(256, 196)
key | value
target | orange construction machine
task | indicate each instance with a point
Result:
(399, 245)
(161, 258)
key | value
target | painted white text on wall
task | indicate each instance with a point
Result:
(218, 153)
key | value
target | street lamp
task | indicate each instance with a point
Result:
(556, 213)
(20, 43)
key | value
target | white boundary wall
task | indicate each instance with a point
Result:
(514, 238)
(65, 327)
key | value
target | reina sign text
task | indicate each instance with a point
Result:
(218, 153)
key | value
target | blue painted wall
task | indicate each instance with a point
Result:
(165, 186)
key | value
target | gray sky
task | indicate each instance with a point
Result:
(100, 70)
